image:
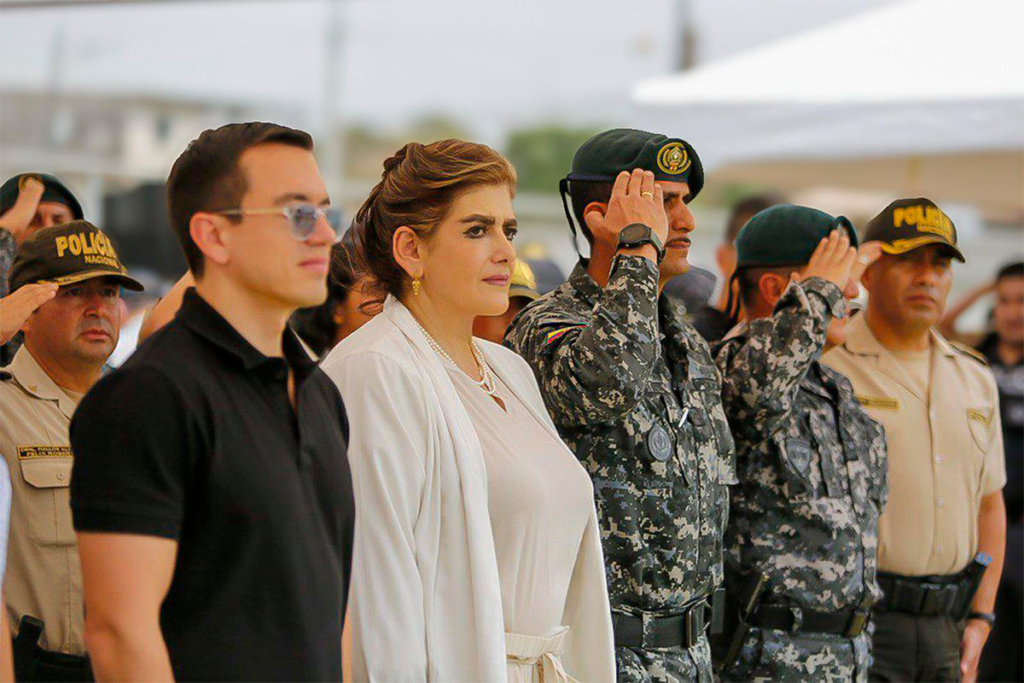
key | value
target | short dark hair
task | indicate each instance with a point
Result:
(206, 176)
(745, 209)
(584, 192)
(1015, 269)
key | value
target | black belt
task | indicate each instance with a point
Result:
(925, 595)
(684, 628)
(847, 622)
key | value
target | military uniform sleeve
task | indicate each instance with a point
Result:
(133, 443)
(8, 248)
(762, 371)
(595, 369)
(993, 474)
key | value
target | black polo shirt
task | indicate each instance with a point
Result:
(194, 439)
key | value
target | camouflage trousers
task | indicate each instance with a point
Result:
(665, 665)
(771, 655)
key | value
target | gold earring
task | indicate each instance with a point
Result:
(416, 287)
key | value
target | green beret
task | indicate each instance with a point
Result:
(786, 235)
(606, 155)
(53, 191)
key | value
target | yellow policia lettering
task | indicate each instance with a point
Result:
(85, 243)
(925, 219)
(878, 402)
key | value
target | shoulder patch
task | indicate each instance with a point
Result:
(968, 351)
(559, 332)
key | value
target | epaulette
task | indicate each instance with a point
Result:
(968, 351)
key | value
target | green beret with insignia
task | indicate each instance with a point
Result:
(606, 155)
(786, 235)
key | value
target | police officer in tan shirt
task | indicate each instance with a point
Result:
(942, 534)
(68, 338)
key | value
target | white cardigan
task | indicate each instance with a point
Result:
(425, 598)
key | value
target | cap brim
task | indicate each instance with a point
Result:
(524, 292)
(124, 280)
(911, 243)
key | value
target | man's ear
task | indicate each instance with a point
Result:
(771, 287)
(407, 248)
(207, 231)
(601, 208)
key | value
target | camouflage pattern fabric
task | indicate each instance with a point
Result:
(635, 394)
(8, 248)
(812, 471)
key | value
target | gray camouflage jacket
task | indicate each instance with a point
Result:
(811, 463)
(635, 394)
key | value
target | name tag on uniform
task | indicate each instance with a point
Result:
(32, 452)
(879, 402)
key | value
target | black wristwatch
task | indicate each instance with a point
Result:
(984, 616)
(636, 235)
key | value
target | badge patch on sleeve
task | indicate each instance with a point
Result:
(554, 335)
(32, 452)
(879, 402)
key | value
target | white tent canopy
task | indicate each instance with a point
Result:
(919, 97)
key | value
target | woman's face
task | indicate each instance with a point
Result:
(468, 260)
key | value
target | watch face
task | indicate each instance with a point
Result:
(632, 233)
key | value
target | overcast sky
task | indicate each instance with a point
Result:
(492, 64)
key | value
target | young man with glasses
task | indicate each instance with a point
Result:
(215, 514)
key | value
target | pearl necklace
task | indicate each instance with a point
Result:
(486, 381)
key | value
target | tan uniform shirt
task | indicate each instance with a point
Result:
(945, 448)
(44, 577)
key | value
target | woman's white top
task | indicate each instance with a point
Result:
(438, 577)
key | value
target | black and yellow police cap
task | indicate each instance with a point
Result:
(907, 224)
(66, 254)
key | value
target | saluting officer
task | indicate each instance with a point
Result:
(67, 341)
(635, 393)
(945, 521)
(810, 462)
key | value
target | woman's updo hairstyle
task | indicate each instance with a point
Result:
(417, 188)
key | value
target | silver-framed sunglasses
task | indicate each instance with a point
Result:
(302, 218)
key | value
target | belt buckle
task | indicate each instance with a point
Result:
(798, 619)
(646, 630)
(858, 622)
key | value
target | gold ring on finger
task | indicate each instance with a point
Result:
(647, 194)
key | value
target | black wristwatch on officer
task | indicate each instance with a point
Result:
(987, 617)
(636, 235)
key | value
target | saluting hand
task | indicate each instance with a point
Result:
(832, 260)
(18, 219)
(16, 308)
(636, 198)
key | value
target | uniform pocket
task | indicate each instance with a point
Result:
(797, 456)
(979, 422)
(47, 504)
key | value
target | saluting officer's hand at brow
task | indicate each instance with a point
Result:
(832, 260)
(16, 308)
(636, 198)
(18, 219)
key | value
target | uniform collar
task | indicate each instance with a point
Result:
(203, 319)
(34, 380)
(584, 284)
(861, 341)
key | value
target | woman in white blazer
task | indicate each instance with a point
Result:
(477, 555)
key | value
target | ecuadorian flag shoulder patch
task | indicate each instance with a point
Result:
(557, 334)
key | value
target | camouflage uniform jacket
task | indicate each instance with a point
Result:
(811, 463)
(635, 394)
(8, 249)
